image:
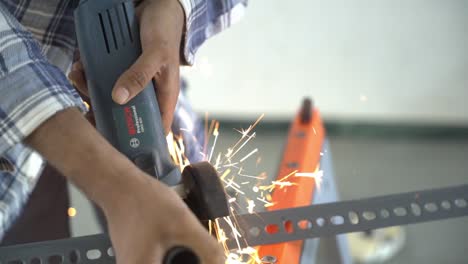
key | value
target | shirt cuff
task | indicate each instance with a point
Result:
(185, 54)
(204, 19)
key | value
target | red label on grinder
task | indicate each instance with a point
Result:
(130, 120)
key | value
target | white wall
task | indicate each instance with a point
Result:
(394, 60)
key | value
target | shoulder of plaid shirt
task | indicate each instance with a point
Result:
(37, 44)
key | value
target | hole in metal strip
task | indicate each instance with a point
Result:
(400, 211)
(110, 251)
(288, 226)
(74, 256)
(337, 220)
(353, 218)
(304, 224)
(320, 221)
(93, 254)
(460, 203)
(431, 207)
(272, 229)
(415, 209)
(445, 205)
(384, 213)
(369, 215)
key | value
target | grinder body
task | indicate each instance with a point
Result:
(109, 43)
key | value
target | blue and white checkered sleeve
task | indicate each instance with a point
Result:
(31, 89)
(205, 18)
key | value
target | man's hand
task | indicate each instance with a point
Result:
(146, 225)
(145, 217)
(161, 29)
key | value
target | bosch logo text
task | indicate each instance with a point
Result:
(129, 120)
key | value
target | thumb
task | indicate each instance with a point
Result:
(136, 78)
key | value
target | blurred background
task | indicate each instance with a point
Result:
(390, 79)
(376, 61)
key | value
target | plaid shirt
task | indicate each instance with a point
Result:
(37, 43)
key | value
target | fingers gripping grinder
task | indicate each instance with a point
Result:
(109, 43)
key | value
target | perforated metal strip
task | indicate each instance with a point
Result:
(94, 249)
(276, 226)
(349, 216)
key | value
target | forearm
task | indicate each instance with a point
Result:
(69, 142)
